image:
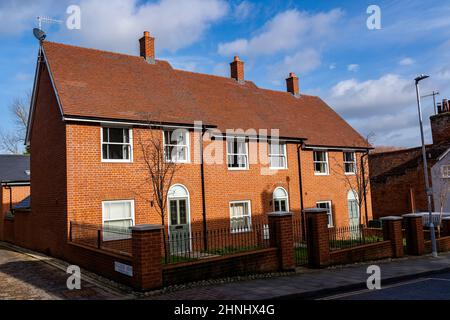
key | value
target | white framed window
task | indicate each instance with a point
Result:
(237, 153)
(349, 162)
(117, 144)
(277, 155)
(320, 162)
(240, 216)
(280, 200)
(176, 145)
(118, 217)
(327, 205)
(445, 170)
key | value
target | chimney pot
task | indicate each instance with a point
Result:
(237, 69)
(292, 84)
(147, 47)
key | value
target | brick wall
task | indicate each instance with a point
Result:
(98, 261)
(265, 260)
(373, 251)
(443, 245)
(440, 127)
(19, 193)
(48, 172)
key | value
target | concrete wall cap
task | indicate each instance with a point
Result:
(446, 218)
(280, 214)
(146, 227)
(391, 218)
(413, 215)
(315, 210)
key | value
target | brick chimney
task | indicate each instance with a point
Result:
(292, 85)
(440, 123)
(147, 47)
(237, 70)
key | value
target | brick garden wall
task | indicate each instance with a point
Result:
(265, 260)
(99, 261)
(373, 251)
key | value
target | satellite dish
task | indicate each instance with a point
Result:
(39, 34)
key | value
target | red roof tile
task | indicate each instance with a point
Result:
(93, 83)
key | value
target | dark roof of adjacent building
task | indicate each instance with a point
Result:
(383, 166)
(103, 85)
(14, 168)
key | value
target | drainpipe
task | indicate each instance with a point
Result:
(302, 215)
(364, 184)
(202, 175)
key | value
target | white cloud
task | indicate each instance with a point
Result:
(243, 10)
(22, 76)
(389, 92)
(385, 106)
(353, 67)
(20, 16)
(332, 66)
(300, 62)
(287, 30)
(117, 24)
(406, 62)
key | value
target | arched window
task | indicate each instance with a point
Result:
(280, 200)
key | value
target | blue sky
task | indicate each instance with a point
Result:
(365, 75)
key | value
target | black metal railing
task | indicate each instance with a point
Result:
(351, 236)
(300, 247)
(188, 246)
(117, 239)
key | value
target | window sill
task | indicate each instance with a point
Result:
(275, 168)
(350, 173)
(116, 161)
(321, 174)
(238, 169)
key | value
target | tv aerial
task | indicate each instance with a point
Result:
(38, 32)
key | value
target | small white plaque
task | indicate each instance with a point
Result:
(123, 268)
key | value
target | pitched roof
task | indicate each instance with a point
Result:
(100, 84)
(14, 167)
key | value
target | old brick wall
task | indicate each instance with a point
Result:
(391, 193)
(440, 127)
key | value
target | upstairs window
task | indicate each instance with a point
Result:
(237, 153)
(116, 144)
(277, 155)
(445, 171)
(349, 163)
(176, 145)
(320, 163)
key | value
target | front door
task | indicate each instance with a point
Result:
(353, 213)
(180, 240)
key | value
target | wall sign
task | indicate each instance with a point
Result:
(123, 268)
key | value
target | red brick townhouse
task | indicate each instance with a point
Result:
(88, 108)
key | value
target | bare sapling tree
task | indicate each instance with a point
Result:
(356, 177)
(159, 169)
(12, 141)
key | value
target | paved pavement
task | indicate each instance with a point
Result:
(23, 277)
(314, 283)
(434, 287)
